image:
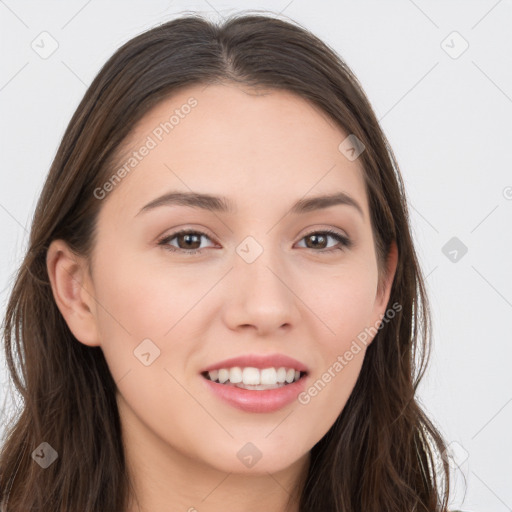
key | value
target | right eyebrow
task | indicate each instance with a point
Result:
(325, 201)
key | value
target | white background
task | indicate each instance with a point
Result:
(448, 121)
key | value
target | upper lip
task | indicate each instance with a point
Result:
(258, 361)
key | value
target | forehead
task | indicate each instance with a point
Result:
(255, 146)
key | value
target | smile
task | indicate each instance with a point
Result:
(255, 390)
(254, 378)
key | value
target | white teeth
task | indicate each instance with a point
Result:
(268, 376)
(249, 376)
(223, 375)
(235, 375)
(250, 387)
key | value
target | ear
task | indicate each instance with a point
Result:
(73, 291)
(386, 283)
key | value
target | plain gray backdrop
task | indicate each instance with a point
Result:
(439, 77)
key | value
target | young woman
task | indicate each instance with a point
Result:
(221, 307)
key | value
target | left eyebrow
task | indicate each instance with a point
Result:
(192, 199)
(224, 205)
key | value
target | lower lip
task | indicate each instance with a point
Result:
(268, 400)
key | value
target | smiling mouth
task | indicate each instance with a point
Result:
(254, 378)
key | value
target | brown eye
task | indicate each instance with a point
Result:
(319, 240)
(187, 241)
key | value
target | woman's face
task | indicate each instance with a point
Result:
(257, 278)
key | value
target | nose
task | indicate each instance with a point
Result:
(260, 295)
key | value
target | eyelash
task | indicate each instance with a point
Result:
(345, 242)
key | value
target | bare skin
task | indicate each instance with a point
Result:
(263, 152)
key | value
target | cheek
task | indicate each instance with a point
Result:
(144, 311)
(345, 307)
(344, 300)
(136, 303)
(147, 300)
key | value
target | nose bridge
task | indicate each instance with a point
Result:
(257, 263)
(263, 298)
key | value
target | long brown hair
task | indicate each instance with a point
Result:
(382, 452)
